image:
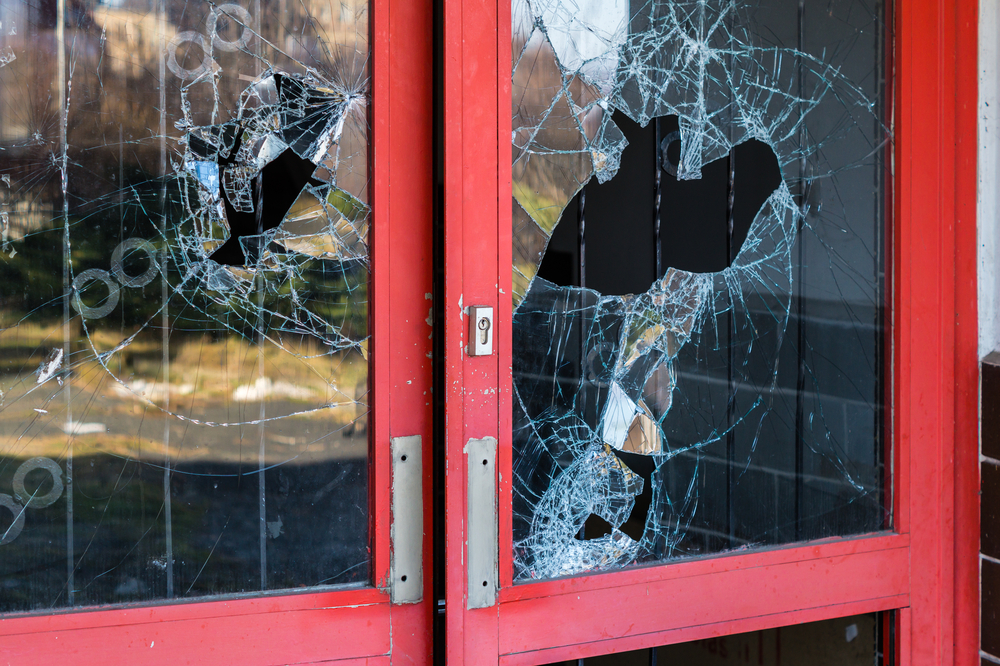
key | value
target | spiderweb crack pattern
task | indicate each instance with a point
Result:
(692, 364)
(184, 304)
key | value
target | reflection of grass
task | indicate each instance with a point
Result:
(544, 210)
(56, 447)
(18, 343)
(545, 184)
(208, 380)
(217, 363)
(521, 277)
(299, 361)
(217, 446)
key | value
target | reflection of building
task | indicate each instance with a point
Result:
(19, 16)
(25, 216)
(118, 49)
(22, 24)
(341, 23)
(131, 39)
(28, 113)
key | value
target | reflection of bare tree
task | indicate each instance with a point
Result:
(549, 113)
(124, 97)
(554, 117)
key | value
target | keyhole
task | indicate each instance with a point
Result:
(484, 330)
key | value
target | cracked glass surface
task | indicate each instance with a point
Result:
(699, 206)
(183, 299)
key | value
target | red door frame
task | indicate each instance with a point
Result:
(926, 566)
(357, 625)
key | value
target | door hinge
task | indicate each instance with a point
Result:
(481, 455)
(407, 521)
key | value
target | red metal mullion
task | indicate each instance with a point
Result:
(454, 336)
(901, 296)
(937, 186)
(472, 266)
(904, 632)
(378, 456)
(347, 623)
(626, 610)
(777, 594)
(365, 661)
(200, 610)
(407, 277)
(506, 306)
(928, 191)
(889, 394)
(709, 565)
(82, 620)
(966, 527)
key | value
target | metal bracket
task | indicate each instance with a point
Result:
(407, 521)
(480, 331)
(481, 456)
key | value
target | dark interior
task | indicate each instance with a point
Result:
(702, 224)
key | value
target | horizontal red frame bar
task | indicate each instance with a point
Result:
(381, 660)
(707, 597)
(344, 624)
(709, 564)
(601, 647)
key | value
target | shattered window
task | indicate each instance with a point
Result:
(699, 215)
(183, 299)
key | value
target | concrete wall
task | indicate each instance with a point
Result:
(989, 176)
(989, 327)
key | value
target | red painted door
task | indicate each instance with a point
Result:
(210, 228)
(729, 390)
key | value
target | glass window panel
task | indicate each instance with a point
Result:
(183, 299)
(844, 641)
(699, 213)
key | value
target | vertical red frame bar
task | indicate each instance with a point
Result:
(935, 327)
(966, 549)
(473, 276)
(403, 283)
(379, 471)
(354, 625)
(505, 253)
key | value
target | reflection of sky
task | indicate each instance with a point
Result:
(208, 174)
(618, 414)
(585, 31)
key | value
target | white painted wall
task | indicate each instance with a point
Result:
(988, 212)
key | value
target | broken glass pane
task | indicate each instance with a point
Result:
(699, 205)
(184, 301)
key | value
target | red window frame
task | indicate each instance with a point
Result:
(925, 568)
(354, 625)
